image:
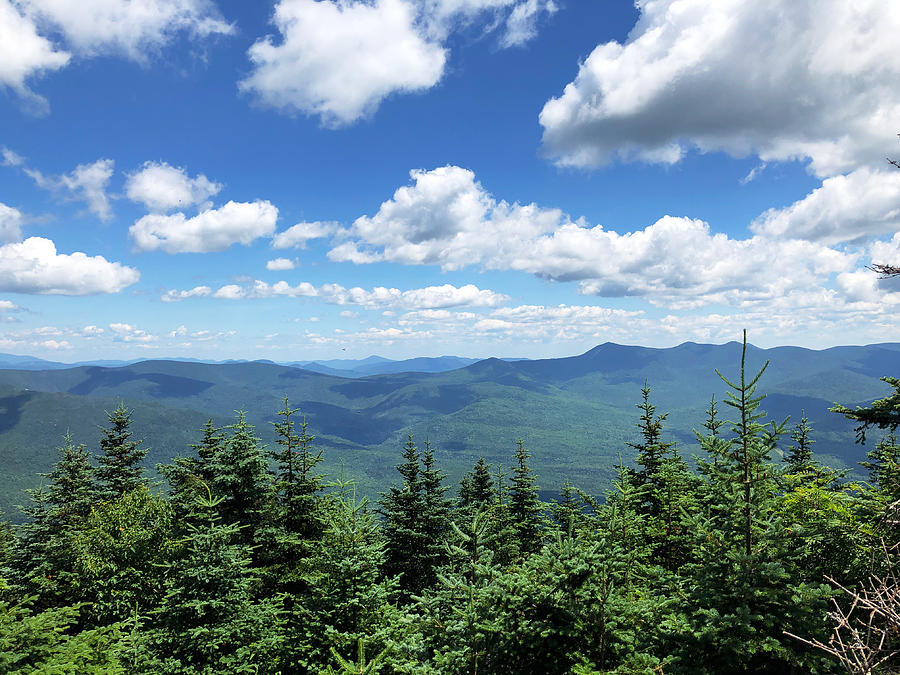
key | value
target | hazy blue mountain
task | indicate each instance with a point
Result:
(376, 365)
(575, 413)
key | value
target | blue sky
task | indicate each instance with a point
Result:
(307, 179)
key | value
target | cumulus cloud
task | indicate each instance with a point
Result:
(861, 204)
(339, 59)
(124, 332)
(210, 230)
(25, 54)
(297, 235)
(161, 187)
(195, 292)
(446, 218)
(10, 223)
(34, 266)
(781, 80)
(133, 29)
(280, 264)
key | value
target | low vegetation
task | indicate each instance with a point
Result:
(250, 560)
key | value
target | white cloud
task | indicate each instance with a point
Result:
(133, 29)
(195, 292)
(124, 332)
(8, 306)
(10, 223)
(379, 297)
(210, 230)
(446, 218)
(87, 182)
(782, 80)
(89, 332)
(34, 266)
(25, 54)
(280, 264)
(339, 59)
(161, 187)
(861, 204)
(55, 344)
(297, 235)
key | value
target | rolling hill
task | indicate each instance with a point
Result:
(574, 413)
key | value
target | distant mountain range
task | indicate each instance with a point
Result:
(575, 414)
(373, 365)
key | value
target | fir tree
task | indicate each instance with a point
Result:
(525, 508)
(120, 468)
(297, 485)
(242, 481)
(799, 457)
(476, 489)
(435, 515)
(403, 508)
(207, 620)
(651, 450)
(45, 556)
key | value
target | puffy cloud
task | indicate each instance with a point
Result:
(161, 187)
(782, 80)
(297, 235)
(280, 264)
(25, 54)
(863, 203)
(339, 59)
(447, 218)
(34, 266)
(195, 292)
(210, 230)
(10, 223)
(134, 29)
(89, 332)
(124, 332)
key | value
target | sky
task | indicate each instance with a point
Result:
(309, 179)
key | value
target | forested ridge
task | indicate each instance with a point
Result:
(251, 560)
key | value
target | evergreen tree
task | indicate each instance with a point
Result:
(799, 457)
(525, 508)
(207, 621)
(189, 476)
(120, 468)
(476, 489)
(45, 555)
(651, 451)
(745, 588)
(297, 485)
(349, 600)
(403, 508)
(435, 515)
(242, 481)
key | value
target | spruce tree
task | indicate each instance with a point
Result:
(746, 589)
(242, 481)
(403, 508)
(45, 556)
(476, 489)
(435, 515)
(207, 621)
(297, 484)
(120, 468)
(525, 508)
(799, 457)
